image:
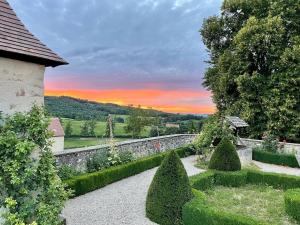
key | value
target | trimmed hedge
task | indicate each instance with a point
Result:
(281, 181)
(292, 203)
(225, 157)
(231, 179)
(169, 191)
(196, 212)
(275, 158)
(85, 183)
(204, 181)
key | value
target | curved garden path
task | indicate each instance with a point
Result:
(119, 203)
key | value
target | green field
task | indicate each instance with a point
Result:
(101, 127)
(84, 142)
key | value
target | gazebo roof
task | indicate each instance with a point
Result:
(17, 42)
(236, 121)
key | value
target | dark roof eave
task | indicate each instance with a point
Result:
(33, 59)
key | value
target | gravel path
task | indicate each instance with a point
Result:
(277, 169)
(119, 203)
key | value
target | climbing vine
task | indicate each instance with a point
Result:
(30, 190)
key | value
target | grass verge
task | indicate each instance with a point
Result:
(261, 202)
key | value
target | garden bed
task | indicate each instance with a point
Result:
(243, 198)
(88, 182)
(261, 202)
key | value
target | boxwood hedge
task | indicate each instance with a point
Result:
(292, 203)
(196, 212)
(275, 158)
(91, 181)
(169, 191)
(225, 157)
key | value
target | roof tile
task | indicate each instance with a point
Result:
(17, 42)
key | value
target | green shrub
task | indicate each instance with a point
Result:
(225, 157)
(97, 161)
(275, 158)
(203, 181)
(66, 172)
(85, 183)
(292, 203)
(207, 180)
(126, 156)
(270, 144)
(230, 179)
(168, 192)
(31, 192)
(275, 180)
(196, 212)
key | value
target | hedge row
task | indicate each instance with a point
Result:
(292, 203)
(196, 212)
(85, 183)
(280, 181)
(208, 179)
(275, 158)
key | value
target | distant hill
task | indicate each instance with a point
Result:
(74, 108)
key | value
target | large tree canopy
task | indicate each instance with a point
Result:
(254, 68)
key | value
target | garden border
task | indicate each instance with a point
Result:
(88, 182)
(195, 212)
(275, 158)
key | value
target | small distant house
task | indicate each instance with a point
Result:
(23, 59)
(172, 125)
(58, 135)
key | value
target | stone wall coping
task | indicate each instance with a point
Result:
(96, 147)
(260, 141)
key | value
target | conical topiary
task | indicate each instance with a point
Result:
(168, 192)
(225, 157)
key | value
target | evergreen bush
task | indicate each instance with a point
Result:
(275, 158)
(292, 203)
(168, 192)
(225, 157)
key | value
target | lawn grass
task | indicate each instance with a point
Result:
(84, 142)
(101, 128)
(259, 202)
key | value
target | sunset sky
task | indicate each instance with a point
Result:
(140, 52)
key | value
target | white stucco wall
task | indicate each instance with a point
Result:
(21, 85)
(58, 144)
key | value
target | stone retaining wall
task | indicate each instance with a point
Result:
(140, 148)
(289, 148)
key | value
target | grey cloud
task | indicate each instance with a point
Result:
(129, 41)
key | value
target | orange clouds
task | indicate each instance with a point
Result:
(183, 101)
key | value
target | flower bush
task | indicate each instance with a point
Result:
(31, 191)
(102, 160)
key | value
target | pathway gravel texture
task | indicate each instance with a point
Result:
(119, 203)
(277, 169)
